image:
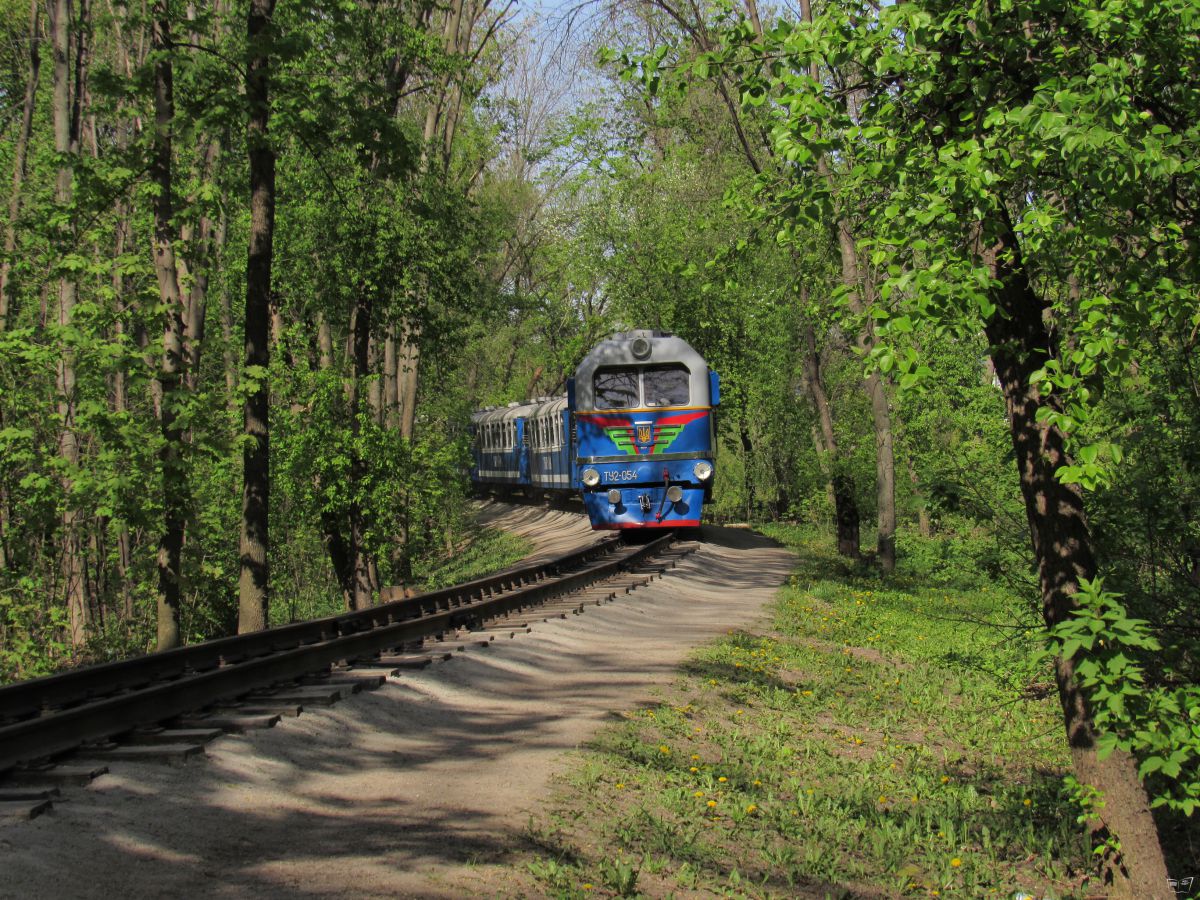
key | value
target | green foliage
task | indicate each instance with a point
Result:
(1159, 724)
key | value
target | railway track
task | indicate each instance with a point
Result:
(166, 706)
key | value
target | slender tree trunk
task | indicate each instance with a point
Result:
(120, 399)
(1062, 544)
(923, 524)
(389, 379)
(881, 414)
(66, 143)
(360, 589)
(10, 233)
(196, 312)
(19, 153)
(228, 356)
(174, 477)
(254, 581)
(375, 382)
(881, 417)
(845, 506)
(408, 363)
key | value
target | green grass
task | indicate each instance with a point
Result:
(878, 740)
(488, 551)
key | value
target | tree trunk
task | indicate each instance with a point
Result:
(196, 313)
(19, 153)
(375, 381)
(881, 415)
(254, 580)
(228, 357)
(360, 588)
(1062, 544)
(389, 379)
(66, 143)
(174, 477)
(408, 362)
(923, 524)
(845, 506)
(10, 234)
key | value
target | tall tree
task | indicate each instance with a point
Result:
(66, 102)
(174, 476)
(254, 580)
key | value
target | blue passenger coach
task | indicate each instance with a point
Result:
(634, 435)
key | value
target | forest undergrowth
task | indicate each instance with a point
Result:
(879, 737)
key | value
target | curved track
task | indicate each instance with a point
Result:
(48, 716)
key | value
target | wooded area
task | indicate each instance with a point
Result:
(944, 257)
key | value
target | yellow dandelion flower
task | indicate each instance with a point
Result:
(587, 887)
(663, 748)
(1027, 801)
(882, 798)
(757, 783)
(695, 756)
(722, 779)
(712, 803)
(698, 794)
(955, 863)
(620, 786)
(693, 769)
(945, 779)
(740, 712)
(751, 808)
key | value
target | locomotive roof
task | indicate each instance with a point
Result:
(520, 410)
(617, 351)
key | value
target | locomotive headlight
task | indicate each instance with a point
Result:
(674, 493)
(614, 496)
(592, 478)
(702, 470)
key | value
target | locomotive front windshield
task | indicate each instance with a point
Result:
(647, 386)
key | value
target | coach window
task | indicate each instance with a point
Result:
(616, 388)
(666, 385)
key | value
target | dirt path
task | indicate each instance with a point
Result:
(406, 791)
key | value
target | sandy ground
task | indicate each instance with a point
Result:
(407, 791)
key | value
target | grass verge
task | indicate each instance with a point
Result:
(885, 738)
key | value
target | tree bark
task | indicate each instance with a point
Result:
(408, 362)
(389, 379)
(881, 414)
(923, 524)
(1062, 544)
(845, 506)
(360, 587)
(254, 579)
(174, 477)
(66, 143)
(196, 311)
(20, 152)
(881, 417)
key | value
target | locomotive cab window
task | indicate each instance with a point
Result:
(616, 388)
(666, 385)
(651, 386)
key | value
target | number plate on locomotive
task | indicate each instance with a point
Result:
(621, 475)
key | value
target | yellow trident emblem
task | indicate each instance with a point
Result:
(645, 432)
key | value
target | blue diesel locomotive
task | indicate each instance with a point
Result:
(634, 434)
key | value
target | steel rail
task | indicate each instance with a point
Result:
(249, 662)
(39, 695)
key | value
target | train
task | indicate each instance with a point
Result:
(634, 435)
